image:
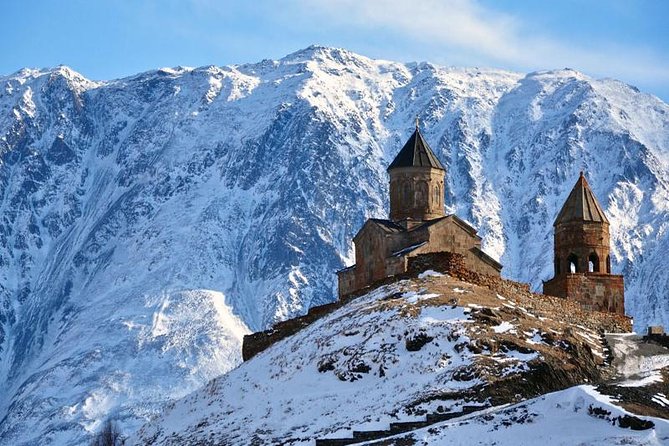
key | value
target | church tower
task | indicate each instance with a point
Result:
(416, 183)
(581, 233)
(582, 261)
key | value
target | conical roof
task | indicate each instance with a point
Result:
(581, 205)
(416, 153)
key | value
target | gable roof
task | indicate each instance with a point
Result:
(416, 153)
(463, 224)
(581, 205)
(387, 226)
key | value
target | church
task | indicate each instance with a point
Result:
(417, 224)
(582, 261)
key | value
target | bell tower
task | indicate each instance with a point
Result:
(416, 182)
(581, 234)
(582, 260)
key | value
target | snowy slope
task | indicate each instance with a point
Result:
(245, 184)
(574, 416)
(360, 368)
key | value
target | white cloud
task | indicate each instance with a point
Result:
(491, 36)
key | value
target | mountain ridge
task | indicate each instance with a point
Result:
(249, 181)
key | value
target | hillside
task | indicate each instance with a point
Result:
(149, 222)
(418, 349)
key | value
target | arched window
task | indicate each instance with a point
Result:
(608, 264)
(593, 263)
(421, 194)
(557, 265)
(406, 193)
(572, 261)
(437, 192)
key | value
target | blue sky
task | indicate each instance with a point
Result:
(105, 39)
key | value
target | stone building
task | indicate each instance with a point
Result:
(582, 254)
(417, 224)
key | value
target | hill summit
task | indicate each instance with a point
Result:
(433, 351)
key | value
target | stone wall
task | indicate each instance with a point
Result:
(582, 240)
(416, 193)
(455, 265)
(594, 291)
(451, 237)
(346, 281)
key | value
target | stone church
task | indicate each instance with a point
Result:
(417, 224)
(582, 254)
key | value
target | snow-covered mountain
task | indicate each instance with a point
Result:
(149, 222)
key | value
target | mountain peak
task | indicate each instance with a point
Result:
(249, 181)
(323, 54)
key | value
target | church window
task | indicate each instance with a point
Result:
(572, 261)
(608, 264)
(406, 193)
(593, 263)
(421, 195)
(557, 265)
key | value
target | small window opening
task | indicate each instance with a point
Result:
(593, 263)
(572, 261)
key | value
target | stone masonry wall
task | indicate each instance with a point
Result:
(416, 193)
(581, 239)
(595, 292)
(455, 265)
(452, 238)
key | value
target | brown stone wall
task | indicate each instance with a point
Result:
(581, 239)
(346, 281)
(596, 292)
(454, 265)
(395, 266)
(372, 248)
(448, 236)
(417, 193)
(476, 262)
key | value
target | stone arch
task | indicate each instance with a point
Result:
(422, 194)
(593, 263)
(407, 193)
(572, 263)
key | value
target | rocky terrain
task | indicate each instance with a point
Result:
(429, 351)
(148, 223)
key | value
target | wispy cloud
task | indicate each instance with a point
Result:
(491, 36)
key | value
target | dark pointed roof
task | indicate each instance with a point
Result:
(416, 153)
(581, 205)
(388, 225)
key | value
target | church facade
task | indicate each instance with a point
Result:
(417, 224)
(582, 260)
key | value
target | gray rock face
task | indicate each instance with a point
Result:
(147, 223)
